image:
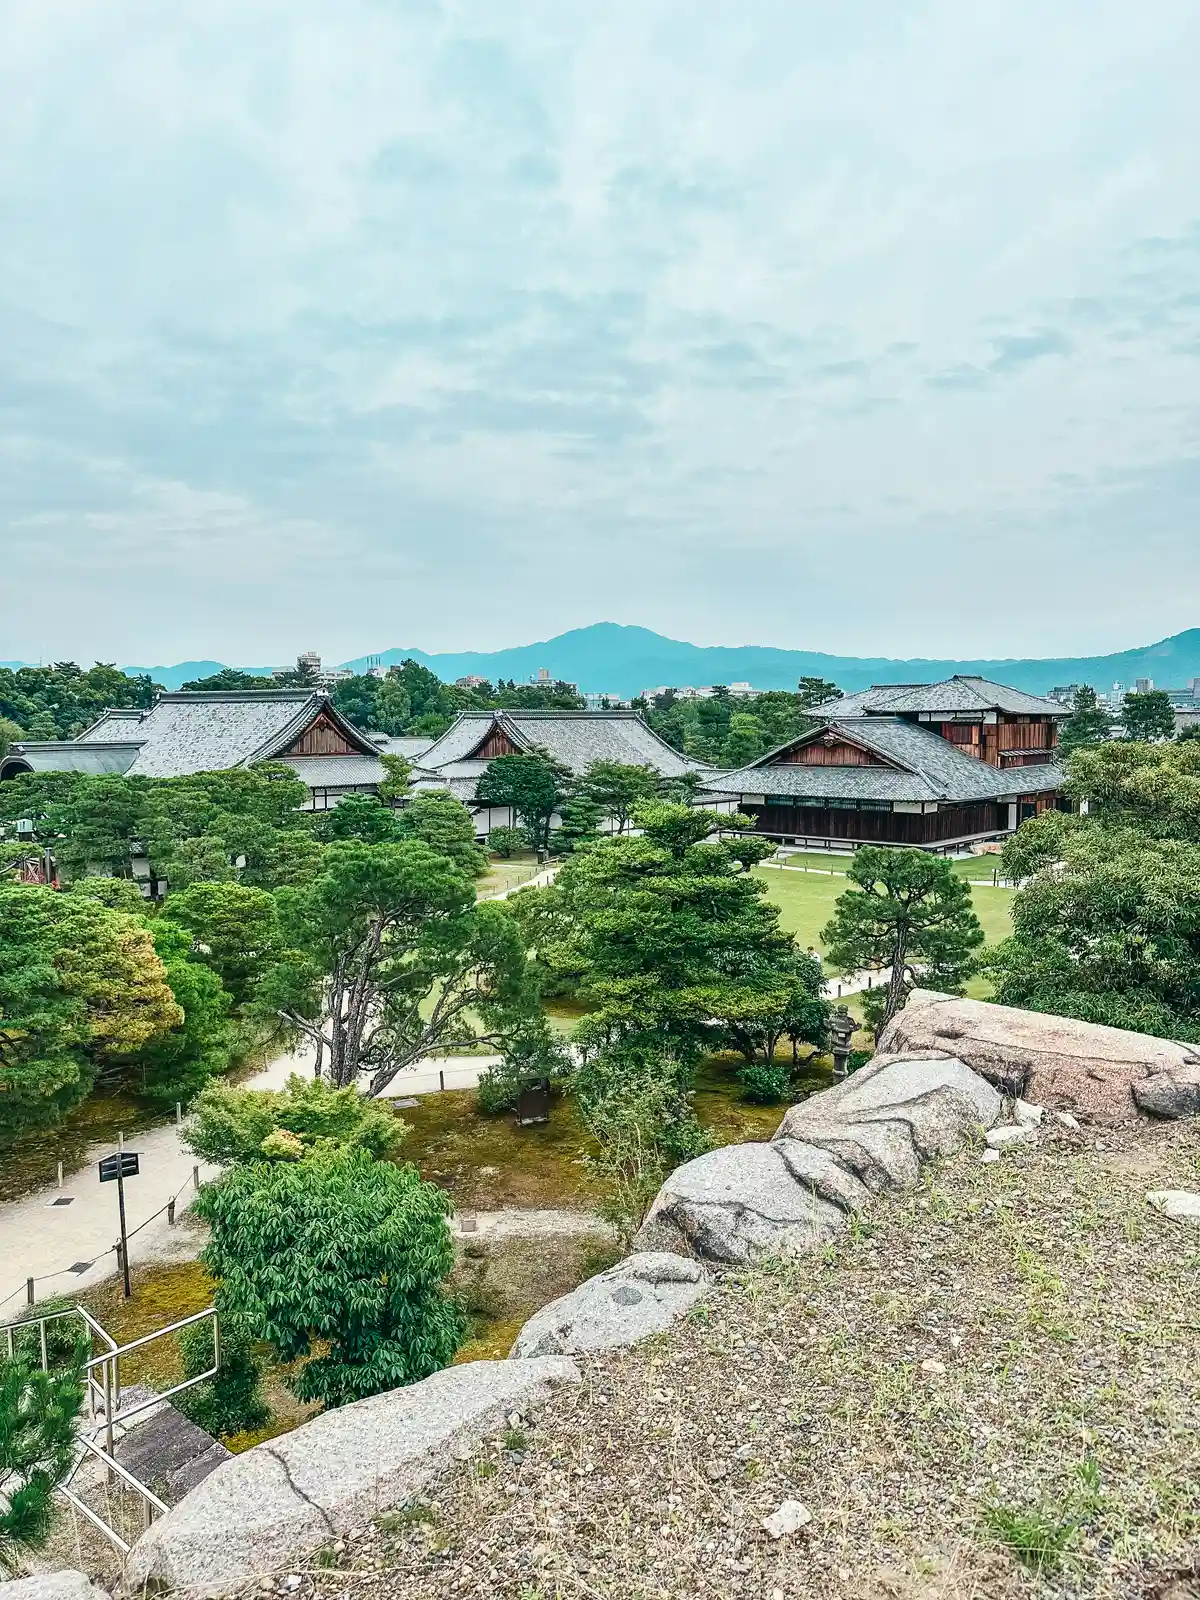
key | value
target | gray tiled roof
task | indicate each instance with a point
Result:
(198, 732)
(337, 772)
(410, 748)
(113, 727)
(925, 767)
(575, 738)
(90, 756)
(952, 694)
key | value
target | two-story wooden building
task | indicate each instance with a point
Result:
(931, 765)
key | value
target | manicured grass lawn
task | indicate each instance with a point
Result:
(806, 901)
(503, 875)
(975, 867)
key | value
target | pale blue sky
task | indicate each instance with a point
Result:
(871, 327)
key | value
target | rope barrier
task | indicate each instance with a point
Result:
(112, 1249)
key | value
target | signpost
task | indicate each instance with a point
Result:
(115, 1169)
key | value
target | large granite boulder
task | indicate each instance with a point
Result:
(639, 1296)
(738, 1204)
(1056, 1062)
(882, 1124)
(1174, 1094)
(261, 1512)
(833, 1151)
(66, 1585)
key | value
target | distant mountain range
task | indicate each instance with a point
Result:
(608, 658)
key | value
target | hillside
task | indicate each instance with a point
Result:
(607, 657)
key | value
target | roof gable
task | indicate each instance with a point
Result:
(962, 693)
(576, 738)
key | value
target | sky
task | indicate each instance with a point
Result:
(871, 328)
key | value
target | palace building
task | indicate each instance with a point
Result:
(213, 732)
(934, 765)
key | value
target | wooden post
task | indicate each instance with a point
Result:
(170, 1213)
(60, 1174)
(29, 1291)
(178, 1124)
(195, 1177)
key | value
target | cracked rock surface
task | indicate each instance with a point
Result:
(1105, 1074)
(640, 1296)
(289, 1497)
(52, 1586)
(833, 1151)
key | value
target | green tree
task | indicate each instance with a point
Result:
(1088, 724)
(229, 1125)
(226, 679)
(506, 842)
(177, 1064)
(362, 816)
(98, 824)
(580, 817)
(81, 990)
(9, 734)
(1154, 788)
(38, 1412)
(118, 894)
(908, 912)
(666, 934)
(234, 930)
(445, 825)
(1190, 730)
(1106, 928)
(812, 692)
(618, 788)
(1149, 716)
(785, 1003)
(387, 956)
(396, 784)
(636, 1105)
(744, 741)
(337, 1254)
(531, 786)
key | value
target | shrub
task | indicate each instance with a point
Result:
(505, 842)
(230, 1125)
(38, 1412)
(68, 1342)
(765, 1084)
(231, 1402)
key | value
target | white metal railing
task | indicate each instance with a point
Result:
(102, 1377)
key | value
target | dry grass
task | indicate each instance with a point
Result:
(989, 1389)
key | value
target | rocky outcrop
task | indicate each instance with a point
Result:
(1172, 1094)
(52, 1586)
(833, 1151)
(262, 1511)
(1099, 1073)
(640, 1296)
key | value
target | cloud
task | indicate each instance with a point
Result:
(408, 323)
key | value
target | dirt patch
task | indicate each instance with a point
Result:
(988, 1388)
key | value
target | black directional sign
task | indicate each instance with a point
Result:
(123, 1164)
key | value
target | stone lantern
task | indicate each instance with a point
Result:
(841, 1029)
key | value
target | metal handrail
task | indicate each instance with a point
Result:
(107, 1388)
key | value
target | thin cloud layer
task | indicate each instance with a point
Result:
(867, 328)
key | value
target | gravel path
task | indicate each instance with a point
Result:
(1009, 1357)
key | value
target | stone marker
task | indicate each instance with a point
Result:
(640, 1296)
(266, 1509)
(1057, 1062)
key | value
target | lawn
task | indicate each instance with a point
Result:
(503, 875)
(806, 901)
(973, 867)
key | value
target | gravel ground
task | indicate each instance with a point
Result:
(991, 1388)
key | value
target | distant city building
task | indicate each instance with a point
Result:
(737, 691)
(1143, 685)
(308, 663)
(1064, 694)
(543, 678)
(471, 681)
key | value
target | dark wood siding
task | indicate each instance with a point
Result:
(497, 743)
(829, 753)
(322, 738)
(880, 827)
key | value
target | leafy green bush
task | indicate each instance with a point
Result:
(231, 1402)
(505, 842)
(230, 1125)
(765, 1084)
